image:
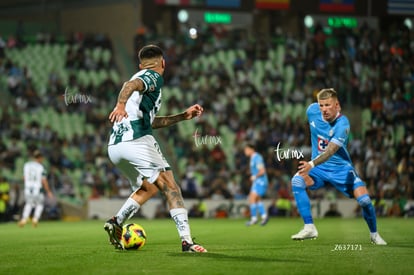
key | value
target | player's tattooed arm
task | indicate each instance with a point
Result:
(305, 166)
(128, 88)
(329, 152)
(165, 121)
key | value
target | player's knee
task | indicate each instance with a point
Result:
(364, 200)
(298, 182)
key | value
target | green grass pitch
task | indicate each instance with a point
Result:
(343, 247)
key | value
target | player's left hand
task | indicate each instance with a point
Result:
(194, 111)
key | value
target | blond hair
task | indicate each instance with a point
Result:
(327, 93)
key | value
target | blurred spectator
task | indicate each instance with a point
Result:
(162, 210)
(4, 199)
(282, 204)
(373, 72)
(67, 189)
(332, 211)
(218, 190)
(189, 186)
(198, 209)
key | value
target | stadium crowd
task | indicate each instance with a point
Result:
(372, 71)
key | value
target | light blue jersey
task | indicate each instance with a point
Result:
(338, 169)
(260, 184)
(323, 132)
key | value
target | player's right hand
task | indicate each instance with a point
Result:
(304, 167)
(118, 113)
(193, 111)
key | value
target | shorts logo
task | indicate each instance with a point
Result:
(322, 144)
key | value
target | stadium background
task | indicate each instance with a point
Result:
(62, 64)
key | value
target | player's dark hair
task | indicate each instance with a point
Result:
(250, 145)
(37, 154)
(327, 93)
(150, 51)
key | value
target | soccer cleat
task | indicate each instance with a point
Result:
(264, 221)
(21, 223)
(114, 231)
(192, 247)
(251, 222)
(308, 232)
(376, 239)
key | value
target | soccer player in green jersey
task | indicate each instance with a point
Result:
(134, 150)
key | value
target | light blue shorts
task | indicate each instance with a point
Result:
(345, 179)
(259, 188)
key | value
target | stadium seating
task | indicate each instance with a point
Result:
(44, 60)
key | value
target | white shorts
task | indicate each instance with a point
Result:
(139, 159)
(33, 198)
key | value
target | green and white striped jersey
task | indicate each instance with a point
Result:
(141, 107)
(33, 173)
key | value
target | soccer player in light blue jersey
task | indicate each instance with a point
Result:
(258, 189)
(330, 163)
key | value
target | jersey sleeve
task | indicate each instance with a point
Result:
(44, 172)
(259, 162)
(341, 132)
(312, 110)
(152, 80)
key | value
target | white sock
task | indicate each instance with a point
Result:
(127, 210)
(310, 226)
(38, 212)
(180, 218)
(27, 209)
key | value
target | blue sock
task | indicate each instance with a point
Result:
(368, 212)
(302, 199)
(261, 208)
(253, 210)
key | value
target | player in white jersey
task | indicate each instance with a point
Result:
(134, 150)
(35, 185)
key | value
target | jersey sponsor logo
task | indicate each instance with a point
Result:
(146, 79)
(322, 143)
(153, 77)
